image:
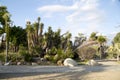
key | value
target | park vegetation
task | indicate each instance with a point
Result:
(19, 44)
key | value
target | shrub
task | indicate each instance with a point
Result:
(55, 55)
(13, 57)
(2, 57)
(24, 54)
(48, 57)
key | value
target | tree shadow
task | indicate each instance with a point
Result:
(72, 73)
(77, 75)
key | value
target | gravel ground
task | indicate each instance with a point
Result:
(107, 71)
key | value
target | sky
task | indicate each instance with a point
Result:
(75, 16)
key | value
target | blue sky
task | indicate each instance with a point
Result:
(76, 16)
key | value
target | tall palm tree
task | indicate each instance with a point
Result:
(6, 17)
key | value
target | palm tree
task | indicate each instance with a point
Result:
(93, 36)
(6, 17)
(3, 10)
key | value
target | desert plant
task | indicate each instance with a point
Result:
(2, 57)
(24, 54)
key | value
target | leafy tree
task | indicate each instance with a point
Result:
(117, 47)
(17, 37)
(3, 11)
(117, 44)
(114, 51)
(117, 38)
(6, 17)
(24, 54)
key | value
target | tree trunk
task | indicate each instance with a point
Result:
(6, 59)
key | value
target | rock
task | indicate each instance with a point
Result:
(19, 63)
(43, 59)
(69, 62)
(60, 62)
(13, 63)
(8, 63)
(28, 63)
(34, 64)
(92, 62)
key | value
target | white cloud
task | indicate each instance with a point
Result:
(85, 15)
(114, 33)
(56, 8)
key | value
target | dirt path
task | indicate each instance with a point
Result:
(109, 70)
(109, 62)
(105, 75)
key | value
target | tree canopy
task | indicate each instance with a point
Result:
(117, 38)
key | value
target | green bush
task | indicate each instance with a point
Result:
(2, 57)
(48, 57)
(55, 55)
(13, 57)
(24, 54)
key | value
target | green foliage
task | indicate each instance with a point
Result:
(3, 10)
(114, 51)
(18, 36)
(101, 39)
(60, 55)
(24, 54)
(93, 36)
(12, 57)
(49, 57)
(117, 38)
(52, 51)
(2, 57)
(51, 45)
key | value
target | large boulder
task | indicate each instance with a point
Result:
(92, 62)
(34, 64)
(19, 63)
(69, 62)
(8, 63)
(60, 62)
